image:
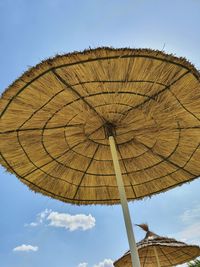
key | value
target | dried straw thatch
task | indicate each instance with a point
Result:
(170, 252)
(54, 122)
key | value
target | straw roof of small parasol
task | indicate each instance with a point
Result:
(170, 252)
(55, 118)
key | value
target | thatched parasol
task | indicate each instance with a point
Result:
(155, 250)
(60, 119)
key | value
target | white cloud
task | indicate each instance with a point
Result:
(83, 264)
(190, 234)
(191, 215)
(26, 248)
(40, 218)
(42, 215)
(191, 231)
(33, 224)
(71, 222)
(105, 263)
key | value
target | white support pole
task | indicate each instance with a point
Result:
(124, 203)
(156, 254)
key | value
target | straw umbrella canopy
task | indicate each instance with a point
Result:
(60, 119)
(155, 250)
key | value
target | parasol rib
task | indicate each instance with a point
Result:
(56, 157)
(85, 172)
(171, 264)
(174, 170)
(39, 167)
(119, 81)
(166, 159)
(158, 93)
(63, 126)
(145, 259)
(126, 171)
(156, 255)
(188, 254)
(41, 129)
(178, 128)
(40, 108)
(36, 186)
(77, 94)
(183, 105)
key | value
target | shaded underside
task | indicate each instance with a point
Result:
(54, 117)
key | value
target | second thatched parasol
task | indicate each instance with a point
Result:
(158, 251)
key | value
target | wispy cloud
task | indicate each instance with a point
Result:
(83, 264)
(105, 263)
(64, 220)
(191, 230)
(32, 224)
(190, 234)
(40, 218)
(26, 248)
(191, 215)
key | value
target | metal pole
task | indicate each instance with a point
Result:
(156, 254)
(127, 218)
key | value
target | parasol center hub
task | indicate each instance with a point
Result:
(110, 129)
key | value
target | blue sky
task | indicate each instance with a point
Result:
(31, 31)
